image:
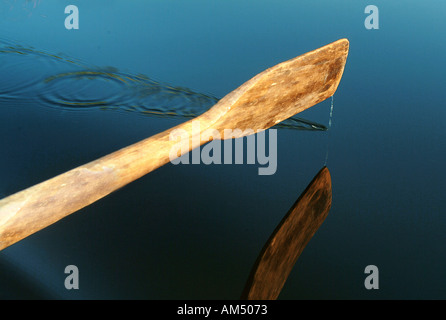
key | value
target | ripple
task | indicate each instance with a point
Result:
(12, 83)
(86, 89)
(22, 69)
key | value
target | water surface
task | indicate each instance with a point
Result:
(194, 231)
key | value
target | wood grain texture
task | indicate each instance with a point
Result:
(291, 87)
(283, 248)
(270, 97)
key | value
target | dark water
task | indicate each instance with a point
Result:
(194, 231)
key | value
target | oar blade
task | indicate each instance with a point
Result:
(283, 90)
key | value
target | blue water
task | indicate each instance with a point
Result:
(194, 231)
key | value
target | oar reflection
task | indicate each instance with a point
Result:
(285, 245)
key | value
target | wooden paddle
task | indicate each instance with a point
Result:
(283, 248)
(267, 99)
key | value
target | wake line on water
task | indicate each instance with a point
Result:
(58, 81)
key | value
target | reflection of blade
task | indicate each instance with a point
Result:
(61, 82)
(280, 253)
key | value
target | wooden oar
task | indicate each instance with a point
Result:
(267, 99)
(283, 248)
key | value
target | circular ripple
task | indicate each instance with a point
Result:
(86, 89)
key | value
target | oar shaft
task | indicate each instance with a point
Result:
(41, 205)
